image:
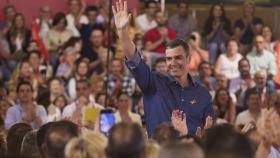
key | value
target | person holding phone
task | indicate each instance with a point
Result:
(164, 94)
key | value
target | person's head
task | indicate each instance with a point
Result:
(260, 79)
(45, 12)
(70, 54)
(101, 98)
(10, 11)
(92, 13)
(183, 8)
(259, 43)
(124, 103)
(41, 141)
(97, 37)
(126, 140)
(24, 92)
(204, 69)
(56, 86)
(59, 21)
(244, 67)
(253, 100)
(194, 39)
(19, 21)
(116, 67)
(177, 58)
(60, 101)
(217, 11)
(232, 47)
(160, 18)
(225, 140)
(83, 68)
(221, 81)
(83, 88)
(161, 66)
(89, 145)
(75, 42)
(151, 7)
(164, 132)
(15, 137)
(32, 46)
(58, 135)
(222, 100)
(3, 145)
(267, 33)
(98, 84)
(181, 150)
(74, 6)
(25, 69)
(29, 147)
(249, 7)
(34, 58)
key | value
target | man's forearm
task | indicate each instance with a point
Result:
(126, 43)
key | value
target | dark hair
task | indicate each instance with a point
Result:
(14, 31)
(34, 52)
(233, 40)
(202, 63)
(15, 137)
(179, 42)
(223, 139)
(64, 99)
(92, 8)
(249, 92)
(87, 82)
(243, 59)
(41, 134)
(216, 98)
(131, 144)
(23, 83)
(147, 4)
(183, 2)
(211, 16)
(159, 60)
(71, 42)
(29, 147)
(60, 80)
(98, 28)
(58, 17)
(164, 132)
(64, 131)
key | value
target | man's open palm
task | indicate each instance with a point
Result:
(121, 16)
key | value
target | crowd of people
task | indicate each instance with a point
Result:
(52, 72)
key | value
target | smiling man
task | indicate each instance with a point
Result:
(164, 94)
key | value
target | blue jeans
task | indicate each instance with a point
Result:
(213, 51)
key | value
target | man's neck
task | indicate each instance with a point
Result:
(254, 113)
(183, 80)
(25, 104)
(259, 52)
(149, 17)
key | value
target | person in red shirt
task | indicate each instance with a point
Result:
(157, 38)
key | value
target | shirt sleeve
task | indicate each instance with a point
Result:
(209, 110)
(10, 118)
(272, 65)
(141, 72)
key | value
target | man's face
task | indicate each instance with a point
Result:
(254, 102)
(82, 89)
(56, 87)
(160, 18)
(177, 62)
(124, 102)
(34, 60)
(74, 6)
(183, 9)
(96, 38)
(221, 82)
(151, 9)
(162, 68)
(259, 43)
(92, 16)
(10, 13)
(45, 13)
(25, 93)
(205, 70)
(260, 79)
(116, 67)
(244, 67)
(19, 21)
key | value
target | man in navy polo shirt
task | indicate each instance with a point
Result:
(164, 94)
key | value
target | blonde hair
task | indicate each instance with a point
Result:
(250, 3)
(89, 145)
(152, 149)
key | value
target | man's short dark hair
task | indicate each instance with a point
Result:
(23, 83)
(85, 81)
(34, 52)
(57, 17)
(58, 136)
(92, 8)
(29, 146)
(164, 132)
(202, 63)
(125, 140)
(159, 60)
(179, 42)
(98, 28)
(244, 59)
(41, 134)
(147, 4)
(249, 92)
(15, 137)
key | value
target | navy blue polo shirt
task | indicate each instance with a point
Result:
(162, 94)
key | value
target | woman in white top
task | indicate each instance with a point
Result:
(124, 114)
(227, 64)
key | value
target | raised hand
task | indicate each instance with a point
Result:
(179, 122)
(121, 15)
(208, 122)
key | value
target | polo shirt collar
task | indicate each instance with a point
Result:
(172, 80)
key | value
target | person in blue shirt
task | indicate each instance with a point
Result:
(164, 94)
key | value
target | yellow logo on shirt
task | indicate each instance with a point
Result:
(193, 101)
